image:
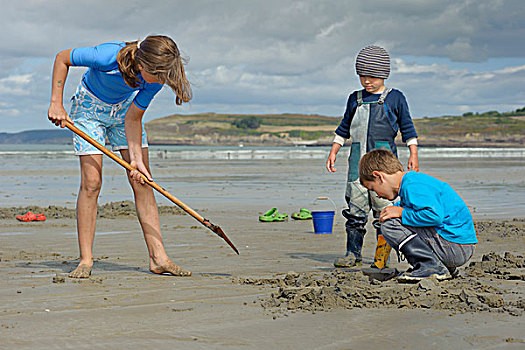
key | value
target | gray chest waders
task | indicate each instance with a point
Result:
(369, 129)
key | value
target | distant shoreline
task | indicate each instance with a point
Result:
(421, 144)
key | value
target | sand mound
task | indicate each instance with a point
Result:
(487, 229)
(109, 211)
(479, 290)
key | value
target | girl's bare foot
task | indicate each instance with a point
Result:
(82, 271)
(170, 268)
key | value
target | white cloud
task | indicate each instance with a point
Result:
(510, 70)
(446, 90)
(402, 67)
(17, 79)
(278, 55)
(331, 28)
(10, 112)
(15, 84)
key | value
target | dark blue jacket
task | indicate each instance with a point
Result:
(396, 109)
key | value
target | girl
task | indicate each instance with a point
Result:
(122, 79)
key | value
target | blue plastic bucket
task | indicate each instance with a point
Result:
(323, 221)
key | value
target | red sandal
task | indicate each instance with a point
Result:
(29, 216)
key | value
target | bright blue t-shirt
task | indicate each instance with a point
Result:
(103, 78)
(427, 201)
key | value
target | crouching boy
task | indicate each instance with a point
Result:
(431, 224)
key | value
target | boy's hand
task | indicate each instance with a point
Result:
(413, 160)
(413, 163)
(330, 163)
(390, 212)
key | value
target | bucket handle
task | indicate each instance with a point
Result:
(326, 199)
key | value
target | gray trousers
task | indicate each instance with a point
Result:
(450, 254)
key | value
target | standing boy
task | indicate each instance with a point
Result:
(431, 225)
(372, 120)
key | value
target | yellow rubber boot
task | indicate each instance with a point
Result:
(382, 253)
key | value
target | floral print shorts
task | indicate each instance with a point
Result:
(103, 121)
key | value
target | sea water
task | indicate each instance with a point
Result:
(491, 180)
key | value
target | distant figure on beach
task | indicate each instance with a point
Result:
(121, 80)
(372, 120)
(431, 224)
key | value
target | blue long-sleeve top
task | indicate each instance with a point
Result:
(396, 107)
(427, 201)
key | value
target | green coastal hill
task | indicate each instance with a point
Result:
(492, 129)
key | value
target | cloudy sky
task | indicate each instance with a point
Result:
(448, 56)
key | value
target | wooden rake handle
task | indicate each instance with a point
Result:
(216, 229)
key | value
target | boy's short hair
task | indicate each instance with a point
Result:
(378, 160)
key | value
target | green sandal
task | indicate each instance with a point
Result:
(303, 214)
(273, 215)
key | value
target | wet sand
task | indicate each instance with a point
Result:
(281, 292)
(251, 300)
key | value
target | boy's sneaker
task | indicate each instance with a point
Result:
(418, 275)
(348, 261)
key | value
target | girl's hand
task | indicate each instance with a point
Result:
(140, 169)
(330, 162)
(58, 115)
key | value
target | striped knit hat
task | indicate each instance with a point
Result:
(373, 61)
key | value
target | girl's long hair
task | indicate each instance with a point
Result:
(158, 55)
